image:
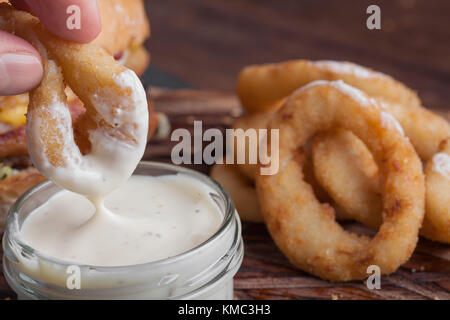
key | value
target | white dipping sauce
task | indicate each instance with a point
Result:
(145, 219)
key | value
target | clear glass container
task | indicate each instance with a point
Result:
(204, 272)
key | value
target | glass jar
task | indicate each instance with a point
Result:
(204, 272)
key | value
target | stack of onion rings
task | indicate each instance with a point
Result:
(338, 155)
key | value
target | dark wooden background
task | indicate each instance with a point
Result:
(207, 42)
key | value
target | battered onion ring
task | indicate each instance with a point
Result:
(253, 121)
(437, 219)
(14, 142)
(345, 168)
(110, 136)
(304, 229)
(360, 196)
(260, 86)
(260, 121)
(243, 193)
(241, 190)
(335, 160)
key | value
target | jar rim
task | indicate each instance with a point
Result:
(12, 225)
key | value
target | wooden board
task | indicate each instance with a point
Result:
(265, 272)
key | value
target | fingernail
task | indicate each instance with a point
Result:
(19, 73)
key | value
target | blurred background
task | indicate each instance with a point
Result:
(204, 43)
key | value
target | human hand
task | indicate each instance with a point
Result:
(20, 63)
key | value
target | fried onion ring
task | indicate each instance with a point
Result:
(437, 173)
(253, 121)
(14, 143)
(109, 139)
(335, 161)
(248, 171)
(345, 168)
(241, 191)
(304, 229)
(259, 86)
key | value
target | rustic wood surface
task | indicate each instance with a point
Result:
(265, 272)
(207, 42)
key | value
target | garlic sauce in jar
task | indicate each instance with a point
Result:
(144, 220)
(167, 233)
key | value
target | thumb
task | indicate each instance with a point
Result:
(59, 17)
(20, 65)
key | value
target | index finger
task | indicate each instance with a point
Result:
(74, 20)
